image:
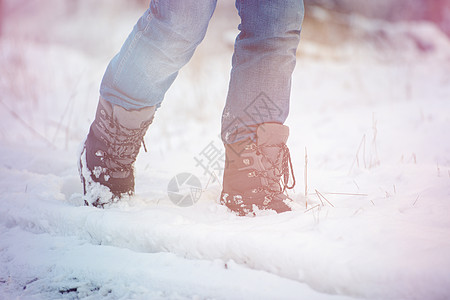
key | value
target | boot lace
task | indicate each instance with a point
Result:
(280, 179)
(122, 144)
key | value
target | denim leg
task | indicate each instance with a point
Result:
(263, 61)
(163, 40)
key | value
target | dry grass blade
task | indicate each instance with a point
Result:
(320, 195)
(68, 110)
(347, 194)
(207, 184)
(315, 206)
(26, 125)
(320, 198)
(374, 160)
(306, 177)
(215, 175)
(362, 144)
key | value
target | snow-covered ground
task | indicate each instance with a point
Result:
(373, 123)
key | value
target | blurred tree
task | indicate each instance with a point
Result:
(437, 11)
(144, 3)
(71, 6)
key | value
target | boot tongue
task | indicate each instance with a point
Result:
(272, 133)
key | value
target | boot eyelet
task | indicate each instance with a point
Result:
(250, 147)
(252, 174)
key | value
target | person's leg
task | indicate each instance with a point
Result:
(162, 41)
(263, 61)
(258, 168)
(133, 87)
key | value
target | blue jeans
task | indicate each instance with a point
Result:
(166, 36)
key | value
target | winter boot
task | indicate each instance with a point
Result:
(257, 173)
(107, 160)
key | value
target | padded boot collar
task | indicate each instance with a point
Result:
(272, 133)
(131, 119)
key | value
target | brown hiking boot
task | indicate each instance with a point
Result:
(107, 161)
(257, 173)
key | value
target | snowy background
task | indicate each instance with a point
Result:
(370, 125)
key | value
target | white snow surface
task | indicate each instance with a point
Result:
(375, 130)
